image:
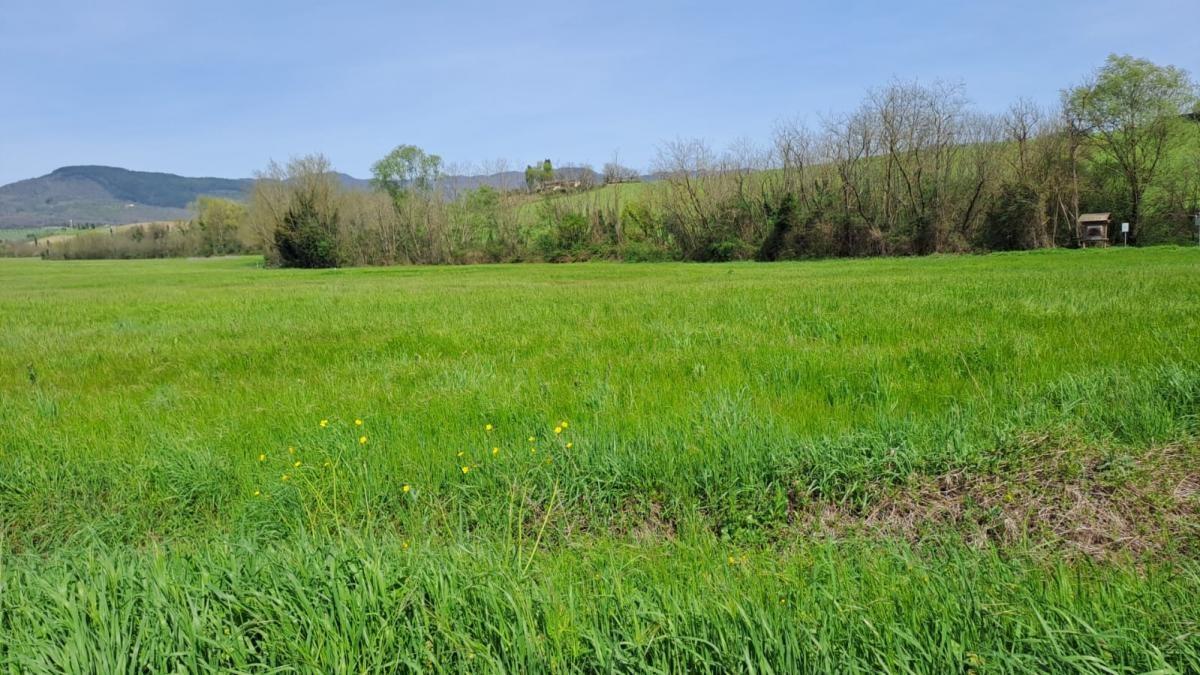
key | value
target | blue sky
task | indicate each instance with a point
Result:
(219, 88)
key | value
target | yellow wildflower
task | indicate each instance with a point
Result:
(404, 545)
(460, 453)
(563, 424)
(466, 469)
(358, 423)
(558, 430)
(297, 464)
(262, 457)
(487, 427)
(362, 440)
(570, 445)
(324, 423)
(495, 451)
(406, 488)
(291, 450)
(285, 477)
(257, 493)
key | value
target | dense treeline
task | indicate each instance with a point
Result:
(218, 228)
(913, 171)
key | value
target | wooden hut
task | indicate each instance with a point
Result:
(1093, 229)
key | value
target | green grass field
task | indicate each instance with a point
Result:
(27, 233)
(948, 464)
(613, 196)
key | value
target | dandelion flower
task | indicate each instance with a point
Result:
(362, 440)
(570, 445)
(487, 427)
(324, 423)
(404, 545)
(466, 469)
(358, 423)
(563, 424)
(262, 457)
(257, 493)
(732, 560)
(531, 439)
(284, 477)
(296, 465)
(558, 430)
(495, 451)
(460, 453)
(406, 488)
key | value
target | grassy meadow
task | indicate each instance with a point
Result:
(942, 464)
(27, 233)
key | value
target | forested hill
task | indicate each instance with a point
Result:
(109, 195)
(114, 196)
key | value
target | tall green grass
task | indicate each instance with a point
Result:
(149, 412)
(331, 607)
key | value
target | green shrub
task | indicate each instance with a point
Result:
(1011, 222)
(782, 219)
(306, 238)
(726, 250)
(645, 251)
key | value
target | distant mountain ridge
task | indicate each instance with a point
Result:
(110, 195)
(154, 189)
(107, 195)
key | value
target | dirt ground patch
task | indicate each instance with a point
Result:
(1093, 504)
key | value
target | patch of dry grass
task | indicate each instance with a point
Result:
(1075, 501)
